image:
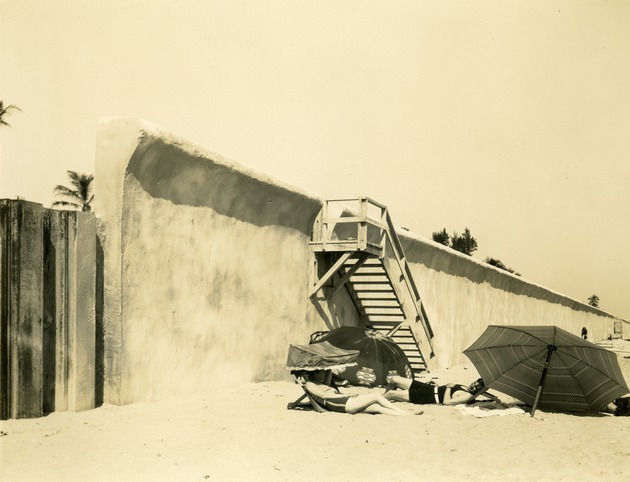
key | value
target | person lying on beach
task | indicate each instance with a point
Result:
(406, 390)
(318, 385)
(620, 407)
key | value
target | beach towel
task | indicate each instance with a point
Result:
(490, 410)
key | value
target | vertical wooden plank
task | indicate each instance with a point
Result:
(362, 226)
(383, 221)
(325, 226)
(81, 261)
(22, 313)
(52, 256)
(55, 308)
(5, 392)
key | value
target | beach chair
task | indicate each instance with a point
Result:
(307, 401)
(311, 403)
(483, 392)
(319, 356)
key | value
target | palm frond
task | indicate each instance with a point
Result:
(80, 196)
(66, 191)
(4, 110)
(75, 180)
(81, 182)
(67, 203)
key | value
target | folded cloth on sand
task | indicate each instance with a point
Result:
(499, 410)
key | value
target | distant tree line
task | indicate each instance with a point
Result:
(498, 264)
(467, 244)
(464, 243)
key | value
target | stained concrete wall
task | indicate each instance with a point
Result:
(47, 354)
(463, 296)
(207, 267)
(207, 270)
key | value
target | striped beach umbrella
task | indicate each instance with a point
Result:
(547, 367)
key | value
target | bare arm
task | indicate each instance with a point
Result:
(458, 397)
(322, 391)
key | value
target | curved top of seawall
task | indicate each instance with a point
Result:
(182, 174)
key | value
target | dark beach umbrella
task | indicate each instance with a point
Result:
(379, 356)
(547, 366)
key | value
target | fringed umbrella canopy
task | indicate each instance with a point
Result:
(320, 356)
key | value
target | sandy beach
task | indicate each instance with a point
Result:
(245, 432)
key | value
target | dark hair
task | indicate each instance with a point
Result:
(476, 386)
(623, 407)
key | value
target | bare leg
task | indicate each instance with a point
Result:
(398, 395)
(375, 408)
(400, 382)
(372, 401)
(610, 408)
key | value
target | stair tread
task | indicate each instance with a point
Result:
(371, 290)
(386, 314)
(372, 282)
(379, 299)
(368, 299)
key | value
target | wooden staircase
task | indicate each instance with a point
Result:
(362, 253)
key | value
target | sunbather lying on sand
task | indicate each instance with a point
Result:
(620, 407)
(318, 385)
(407, 390)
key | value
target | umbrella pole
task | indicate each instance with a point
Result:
(551, 349)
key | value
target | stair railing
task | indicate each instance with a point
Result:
(403, 265)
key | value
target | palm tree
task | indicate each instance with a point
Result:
(593, 301)
(79, 198)
(4, 111)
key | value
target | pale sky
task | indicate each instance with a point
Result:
(511, 118)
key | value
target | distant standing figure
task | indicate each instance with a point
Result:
(584, 332)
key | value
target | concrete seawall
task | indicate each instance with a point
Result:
(463, 296)
(207, 267)
(207, 270)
